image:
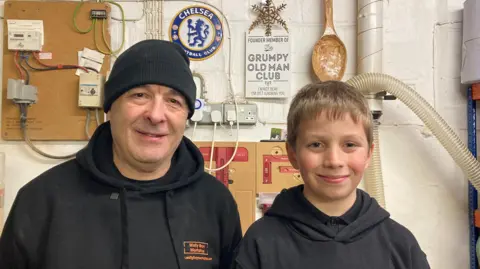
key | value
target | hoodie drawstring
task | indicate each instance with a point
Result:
(124, 224)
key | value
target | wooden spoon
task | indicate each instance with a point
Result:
(329, 58)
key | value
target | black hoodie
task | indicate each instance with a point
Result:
(295, 234)
(83, 214)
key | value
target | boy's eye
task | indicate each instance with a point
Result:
(315, 145)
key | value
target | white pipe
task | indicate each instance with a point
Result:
(371, 83)
(369, 36)
(369, 59)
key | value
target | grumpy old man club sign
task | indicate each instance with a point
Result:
(267, 66)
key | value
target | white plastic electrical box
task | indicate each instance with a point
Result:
(91, 90)
(25, 40)
(25, 35)
(247, 114)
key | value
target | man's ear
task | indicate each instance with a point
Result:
(292, 155)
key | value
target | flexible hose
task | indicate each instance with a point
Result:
(369, 83)
(373, 175)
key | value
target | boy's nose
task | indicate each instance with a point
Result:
(333, 158)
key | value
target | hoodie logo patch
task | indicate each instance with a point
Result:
(194, 250)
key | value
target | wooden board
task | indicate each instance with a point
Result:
(241, 175)
(56, 115)
(279, 179)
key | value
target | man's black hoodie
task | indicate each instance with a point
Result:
(83, 214)
(295, 234)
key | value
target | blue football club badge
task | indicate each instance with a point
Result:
(198, 30)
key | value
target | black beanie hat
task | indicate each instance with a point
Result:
(151, 62)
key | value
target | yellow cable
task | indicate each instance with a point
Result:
(94, 24)
(95, 39)
(75, 13)
(123, 29)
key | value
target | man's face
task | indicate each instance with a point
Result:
(148, 123)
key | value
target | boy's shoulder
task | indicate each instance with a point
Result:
(397, 234)
(391, 230)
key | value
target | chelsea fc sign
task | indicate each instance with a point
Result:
(198, 30)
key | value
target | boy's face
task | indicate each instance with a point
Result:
(332, 156)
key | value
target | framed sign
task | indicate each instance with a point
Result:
(198, 30)
(267, 65)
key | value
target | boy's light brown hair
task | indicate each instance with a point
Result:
(336, 99)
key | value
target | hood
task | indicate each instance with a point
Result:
(187, 164)
(288, 206)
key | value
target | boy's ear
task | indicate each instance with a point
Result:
(292, 156)
(370, 153)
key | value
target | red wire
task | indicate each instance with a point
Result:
(15, 56)
(59, 66)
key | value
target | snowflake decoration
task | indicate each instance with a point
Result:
(268, 15)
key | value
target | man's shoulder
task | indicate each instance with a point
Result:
(210, 191)
(212, 185)
(48, 187)
(53, 177)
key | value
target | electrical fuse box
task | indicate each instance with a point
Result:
(91, 90)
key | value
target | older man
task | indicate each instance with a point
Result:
(137, 196)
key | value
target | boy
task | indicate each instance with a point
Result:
(327, 223)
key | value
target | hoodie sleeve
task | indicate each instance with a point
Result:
(12, 255)
(419, 258)
(231, 234)
(246, 255)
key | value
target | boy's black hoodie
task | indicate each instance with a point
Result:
(83, 214)
(295, 234)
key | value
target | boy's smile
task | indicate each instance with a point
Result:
(332, 155)
(333, 179)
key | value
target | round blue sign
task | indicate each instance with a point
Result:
(198, 104)
(198, 30)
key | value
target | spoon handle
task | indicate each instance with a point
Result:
(329, 16)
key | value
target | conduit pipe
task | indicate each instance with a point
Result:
(373, 175)
(373, 83)
(369, 60)
(369, 36)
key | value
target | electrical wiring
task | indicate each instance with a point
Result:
(194, 129)
(48, 67)
(131, 20)
(19, 69)
(27, 74)
(23, 127)
(212, 147)
(87, 121)
(97, 116)
(112, 52)
(24, 58)
(93, 27)
(75, 13)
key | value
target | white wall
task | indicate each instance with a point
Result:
(425, 190)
